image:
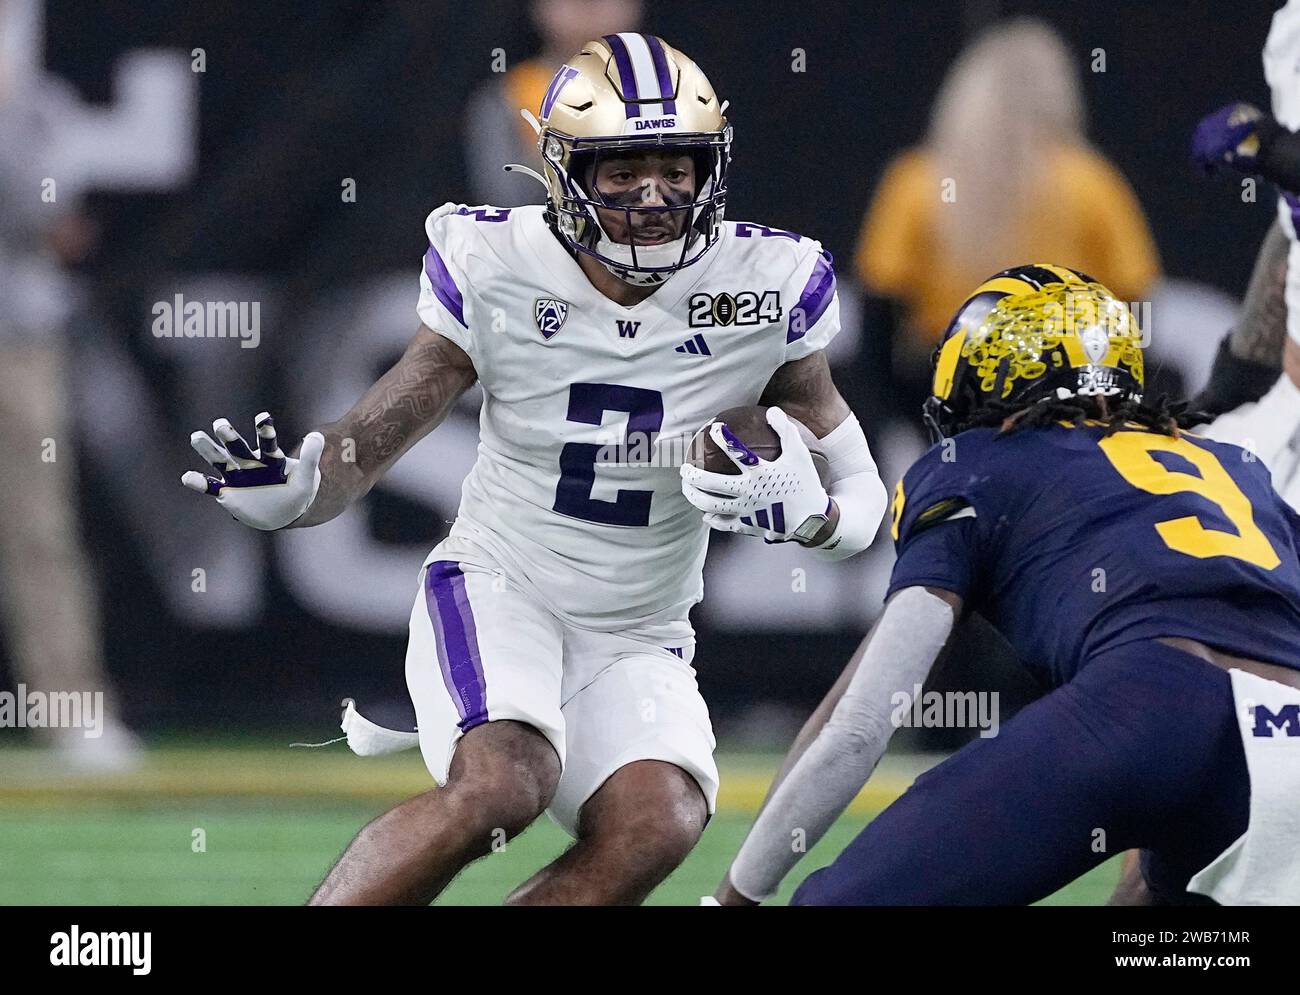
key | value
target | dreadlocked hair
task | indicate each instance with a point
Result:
(1164, 416)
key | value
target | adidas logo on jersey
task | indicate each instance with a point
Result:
(695, 347)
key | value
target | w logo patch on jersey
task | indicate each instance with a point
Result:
(549, 313)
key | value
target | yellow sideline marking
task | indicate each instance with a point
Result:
(30, 776)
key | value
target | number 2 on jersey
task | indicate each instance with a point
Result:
(1131, 454)
(588, 403)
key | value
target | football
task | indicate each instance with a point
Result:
(749, 425)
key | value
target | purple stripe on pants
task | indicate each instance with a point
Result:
(457, 639)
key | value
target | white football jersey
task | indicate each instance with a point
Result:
(1270, 428)
(588, 405)
(1282, 71)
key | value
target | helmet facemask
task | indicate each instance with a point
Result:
(696, 218)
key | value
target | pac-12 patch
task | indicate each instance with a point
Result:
(549, 314)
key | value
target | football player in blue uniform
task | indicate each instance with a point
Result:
(1149, 575)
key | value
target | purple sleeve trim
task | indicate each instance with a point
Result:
(816, 297)
(444, 287)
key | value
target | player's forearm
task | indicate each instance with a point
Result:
(402, 407)
(726, 892)
(821, 715)
(839, 760)
(341, 482)
(1259, 333)
(805, 390)
(1249, 356)
(817, 721)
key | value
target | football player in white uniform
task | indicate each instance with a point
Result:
(1254, 388)
(550, 647)
(1257, 408)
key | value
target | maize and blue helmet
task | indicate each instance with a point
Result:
(1028, 334)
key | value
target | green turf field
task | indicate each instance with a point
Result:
(273, 819)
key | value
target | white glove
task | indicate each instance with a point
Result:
(264, 489)
(772, 499)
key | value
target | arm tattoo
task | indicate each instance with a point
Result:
(402, 407)
(1261, 330)
(805, 391)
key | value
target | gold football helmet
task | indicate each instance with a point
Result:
(628, 92)
(1028, 334)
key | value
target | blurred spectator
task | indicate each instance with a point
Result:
(1005, 176)
(495, 133)
(47, 577)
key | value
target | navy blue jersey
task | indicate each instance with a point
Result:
(1072, 543)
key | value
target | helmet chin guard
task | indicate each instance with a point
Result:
(628, 94)
(641, 265)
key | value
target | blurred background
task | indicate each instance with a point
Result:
(285, 155)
